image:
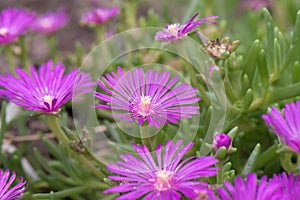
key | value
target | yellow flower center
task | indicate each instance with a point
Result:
(46, 23)
(163, 180)
(173, 29)
(48, 99)
(144, 108)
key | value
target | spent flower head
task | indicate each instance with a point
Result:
(14, 22)
(287, 125)
(99, 16)
(6, 191)
(152, 97)
(50, 21)
(166, 176)
(45, 90)
(177, 31)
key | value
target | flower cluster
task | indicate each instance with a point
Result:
(152, 97)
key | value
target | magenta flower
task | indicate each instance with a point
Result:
(13, 23)
(221, 140)
(45, 90)
(176, 31)
(165, 177)
(286, 126)
(14, 192)
(50, 22)
(254, 4)
(288, 185)
(99, 16)
(152, 97)
(250, 189)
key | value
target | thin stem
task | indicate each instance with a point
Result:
(100, 33)
(23, 56)
(53, 124)
(3, 126)
(146, 137)
(220, 178)
(52, 45)
(10, 59)
(130, 8)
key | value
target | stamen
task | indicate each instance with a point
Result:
(173, 29)
(48, 99)
(163, 180)
(144, 107)
(3, 31)
(46, 23)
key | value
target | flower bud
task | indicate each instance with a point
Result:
(221, 140)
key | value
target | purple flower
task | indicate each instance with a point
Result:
(99, 16)
(50, 22)
(152, 97)
(286, 126)
(13, 23)
(177, 31)
(221, 140)
(288, 185)
(254, 4)
(45, 90)
(250, 189)
(6, 181)
(163, 177)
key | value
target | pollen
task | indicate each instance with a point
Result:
(163, 180)
(144, 107)
(173, 29)
(48, 99)
(46, 23)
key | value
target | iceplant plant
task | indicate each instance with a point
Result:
(147, 97)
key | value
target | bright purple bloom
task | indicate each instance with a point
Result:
(147, 97)
(50, 22)
(250, 189)
(13, 23)
(288, 185)
(45, 90)
(286, 126)
(99, 16)
(165, 177)
(177, 31)
(255, 4)
(221, 140)
(15, 192)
